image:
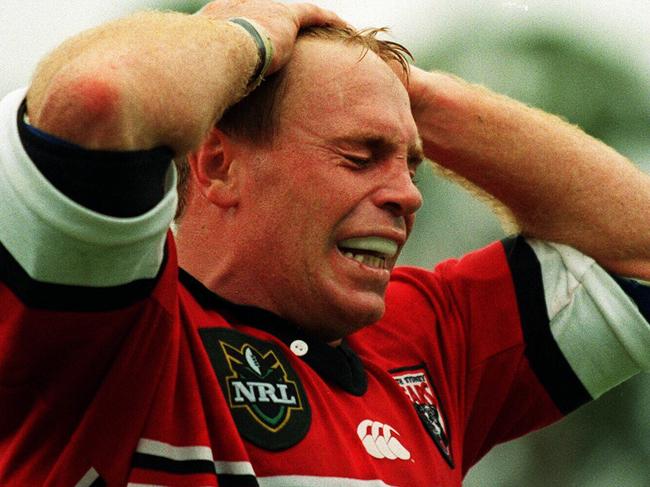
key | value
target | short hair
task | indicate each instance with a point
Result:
(255, 117)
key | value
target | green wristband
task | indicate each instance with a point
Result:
(264, 49)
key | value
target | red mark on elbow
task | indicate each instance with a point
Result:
(98, 100)
(84, 110)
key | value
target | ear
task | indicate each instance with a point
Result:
(213, 169)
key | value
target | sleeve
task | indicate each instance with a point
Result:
(53, 237)
(595, 324)
(543, 330)
(88, 296)
(638, 291)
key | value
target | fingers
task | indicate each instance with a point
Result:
(280, 21)
(308, 14)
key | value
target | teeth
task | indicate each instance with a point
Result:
(369, 260)
(380, 245)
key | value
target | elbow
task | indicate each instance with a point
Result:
(85, 109)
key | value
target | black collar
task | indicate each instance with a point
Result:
(337, 365)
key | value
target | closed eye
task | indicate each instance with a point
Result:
(358, 160)
(362, 162)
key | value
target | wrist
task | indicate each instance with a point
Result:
(264, 48)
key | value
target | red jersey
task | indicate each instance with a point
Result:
(118, 368)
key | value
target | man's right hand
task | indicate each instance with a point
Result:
(281, 21)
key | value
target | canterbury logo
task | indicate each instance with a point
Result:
(379, 440)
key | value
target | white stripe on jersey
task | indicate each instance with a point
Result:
(598, 328)
(305, 481)
(55, 240)
(88, 479)
(234, 468)
(166, 450)
(197, 452)
(313, 481)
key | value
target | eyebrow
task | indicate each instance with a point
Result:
(382, 145)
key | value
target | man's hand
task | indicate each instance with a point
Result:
(418, 90)
(559, 183)
(428, 92)
(281, 21)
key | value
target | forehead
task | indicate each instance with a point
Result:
(339, 87)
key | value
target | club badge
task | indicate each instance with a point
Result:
(418, 387)
(266, 398)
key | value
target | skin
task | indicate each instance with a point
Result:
(95, 89)
(277, 213)
(263, 222)
(559, 183)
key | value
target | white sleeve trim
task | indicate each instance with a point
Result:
(56, 240)
(598, 328)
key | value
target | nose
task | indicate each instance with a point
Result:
(399, 194)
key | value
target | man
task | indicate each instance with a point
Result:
(289, 351)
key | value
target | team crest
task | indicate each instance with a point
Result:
(418, 387)
(264, 393)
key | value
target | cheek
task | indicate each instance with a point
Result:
(306, 203)
(319, 199)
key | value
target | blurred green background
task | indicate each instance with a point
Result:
(584, 60)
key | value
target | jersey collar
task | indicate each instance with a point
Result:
(337, 365)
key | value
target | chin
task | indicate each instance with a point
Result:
(351, 318)
(341, 309)
(371, 316)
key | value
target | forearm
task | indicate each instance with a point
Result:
(148, 80)
(559, 183)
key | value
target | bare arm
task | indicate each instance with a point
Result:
(559, 183)
(158, 78)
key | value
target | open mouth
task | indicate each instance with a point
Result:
(374, 252)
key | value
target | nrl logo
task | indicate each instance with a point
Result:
(266, 398)
(260, 384)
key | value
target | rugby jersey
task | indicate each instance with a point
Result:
(117, 367)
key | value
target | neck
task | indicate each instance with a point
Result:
(209, 248)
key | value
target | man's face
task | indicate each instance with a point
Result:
(329, 206)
